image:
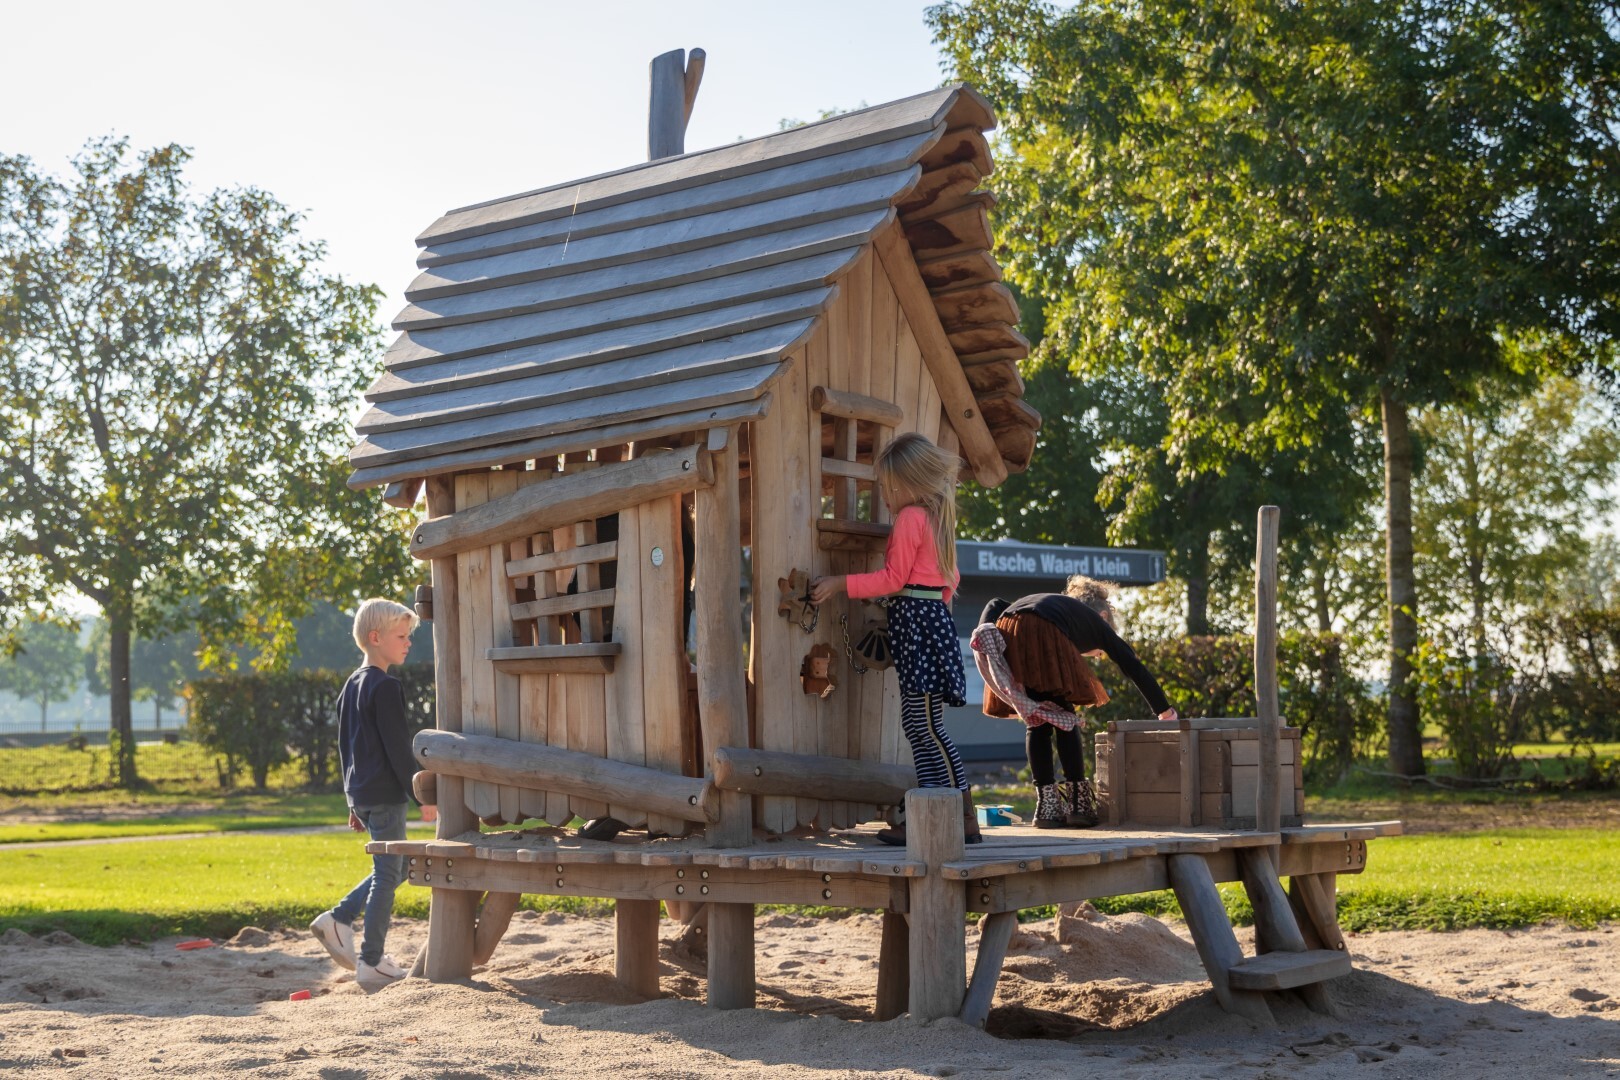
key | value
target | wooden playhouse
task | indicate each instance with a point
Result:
(625, 396)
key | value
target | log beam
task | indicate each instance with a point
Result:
(539, 767)
(810, 776)
(564, 501)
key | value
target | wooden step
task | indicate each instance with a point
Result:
(1286, 970)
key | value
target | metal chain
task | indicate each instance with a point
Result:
(849, 650)
(815, 616)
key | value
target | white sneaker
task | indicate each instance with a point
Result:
(390, 967)
(373, 979)
(338, 938)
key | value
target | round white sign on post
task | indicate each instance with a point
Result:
(658, 556)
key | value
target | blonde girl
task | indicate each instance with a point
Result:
(917, 480)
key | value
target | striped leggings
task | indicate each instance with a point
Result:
(922, 718)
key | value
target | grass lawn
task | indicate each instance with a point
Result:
(158, 816)
(214, 886)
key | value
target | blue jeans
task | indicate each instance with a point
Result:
(374, 896)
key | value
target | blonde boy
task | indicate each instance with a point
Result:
(374, 749)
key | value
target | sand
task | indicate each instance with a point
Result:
(1082, 995)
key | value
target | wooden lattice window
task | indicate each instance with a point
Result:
(854, 428)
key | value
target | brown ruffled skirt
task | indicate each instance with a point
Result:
(1047, 664)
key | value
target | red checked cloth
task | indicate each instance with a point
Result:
(990, 655)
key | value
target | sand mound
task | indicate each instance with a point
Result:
(1081, 995)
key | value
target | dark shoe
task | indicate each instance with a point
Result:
(1049, 810)
(970, 819)
(601, 828)
(1081, 803)
(894, 835)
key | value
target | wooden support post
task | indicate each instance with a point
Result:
(894, 968)
(635, 954)
(938, 942)
(1212, 934)
(722, 697)
(1316, 895)
(451, 915)
(731, 956)
(995, 932)
(493, 919)
(1275, 928)
(451, 912)
(1268, 797)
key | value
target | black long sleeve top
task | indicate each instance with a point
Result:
(1087, 630)
(374, 740)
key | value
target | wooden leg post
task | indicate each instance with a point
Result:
(1212, 934)
(995, 932)
(1275, 928)
(894, 967)
(635, 955)
(731, 956)
(451, 915)
(493, 919)
(938, 940)
(1316, 895)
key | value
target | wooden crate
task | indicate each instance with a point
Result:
(1148, 791)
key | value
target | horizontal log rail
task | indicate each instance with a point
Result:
(811, 776)
(538, 767)
(564, 500)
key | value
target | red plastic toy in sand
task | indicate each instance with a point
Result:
(204, 943)
(299, 995)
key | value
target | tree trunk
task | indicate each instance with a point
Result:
(1319, 593)
(1196, 570)
(1405, 730)
(44, 711)
(121, 734)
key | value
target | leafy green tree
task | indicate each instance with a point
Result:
(45, 666)
(1506, 498)
(176, 376)
(1328, 208)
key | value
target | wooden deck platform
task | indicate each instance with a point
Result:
(1016, 867)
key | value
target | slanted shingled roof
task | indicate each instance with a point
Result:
(676, 289)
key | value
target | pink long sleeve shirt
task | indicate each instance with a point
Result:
(908, 559)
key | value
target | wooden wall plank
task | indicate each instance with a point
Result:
(626, 701)
(477, 673)
(777, 445)
(664, 663)
(809, 733)
(534, 693)
(508, 706)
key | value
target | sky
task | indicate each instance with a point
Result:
(374, 118)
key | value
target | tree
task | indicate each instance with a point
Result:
(45, 666)
(158, 670)
(1506, 496)
(176, 375)
(1331, 208)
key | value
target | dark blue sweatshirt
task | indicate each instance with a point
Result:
(374, 740)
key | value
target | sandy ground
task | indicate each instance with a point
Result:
(1080, 996)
